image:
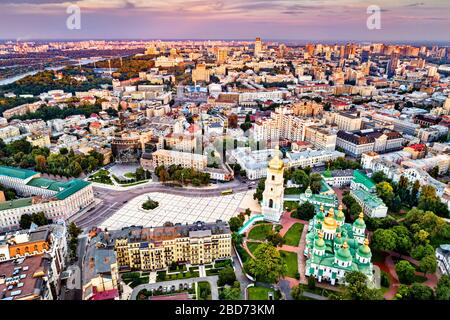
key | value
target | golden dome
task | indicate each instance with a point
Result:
(276, 163)
(330, 223)
(366, 242)
(322, 208)
(361, 215)
(340, 207)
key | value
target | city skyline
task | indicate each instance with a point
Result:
(197, 19)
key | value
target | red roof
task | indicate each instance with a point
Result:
(417, 147)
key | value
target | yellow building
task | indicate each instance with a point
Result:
(200, 73)
(157, 248)
(273, 195)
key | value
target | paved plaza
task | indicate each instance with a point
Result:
(179, 209)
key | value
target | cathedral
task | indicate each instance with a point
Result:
(334, 247)
(273, 195)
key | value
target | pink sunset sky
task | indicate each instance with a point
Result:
(401, 20)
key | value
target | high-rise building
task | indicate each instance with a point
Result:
(258, 47)
(365, 56)
(222, 55)
(200, 73)
(393, 64)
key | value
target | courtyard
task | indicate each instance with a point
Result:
(178, 209)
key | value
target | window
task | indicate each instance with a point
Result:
(270, 203)
(273, 178)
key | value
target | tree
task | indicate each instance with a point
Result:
(419, 291)
(301, 178)
(305, 211)
(75, 169)
(315, 182)
(268, 265)
(74, 230)
(258, 195)
(405, 271)
(403, 240)
(226, 276)
(248, 212)
(420, 251)
(297, 292)
(379, 176)
(443, 288)
(428, 264)
(25, 221)
(357, 289)
(434, 172)
(235, 223)
(230, 293)
(275, 239)
(384, 239)
(386, 193)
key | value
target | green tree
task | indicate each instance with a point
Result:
(315, 182)
(443, 288)
(230, 293)
(301, 178)
(305, 211)
(386, 193)
(420, 251)
(258, 195)
(428, 264)
(74, 230)
(419, 291)
(226, 276)
(235, 223)
(357, 289)
(405, 271)
(268, 265)
(25, 221)
(379, 176)
(384, 239)
(403, 239)
(297, 292)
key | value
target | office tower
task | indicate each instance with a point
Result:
(310, 49)
(258, 47)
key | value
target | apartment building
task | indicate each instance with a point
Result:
(139, 248)
(321, 137)
(185, 159)
(347, 121)
(355, 143)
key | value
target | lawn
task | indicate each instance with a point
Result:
(260, 232)
(133, 279)
(291, 205)
(243, 254)
(252, 246)
(292, 191)
(204, 291)
(259, 293)
(290, 258)
(292, 237)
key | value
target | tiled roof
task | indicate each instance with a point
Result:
(17, 172)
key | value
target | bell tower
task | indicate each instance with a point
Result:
(272, 203)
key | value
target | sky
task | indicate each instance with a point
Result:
(331, 20)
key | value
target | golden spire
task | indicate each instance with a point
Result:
(340, 207)
(322, 208)
(345, 245)
(361, 215)
(366, 242)
(320, 235)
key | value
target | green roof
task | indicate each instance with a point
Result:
(359, 177)
(369, 199)
(62, 189)
(17, 173)
(344, 254)
(14, 204)
(364, 251)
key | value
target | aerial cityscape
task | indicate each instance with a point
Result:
(196, 162)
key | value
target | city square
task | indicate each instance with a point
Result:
(179, 209)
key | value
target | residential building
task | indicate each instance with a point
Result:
(157, 248)
(185, 159)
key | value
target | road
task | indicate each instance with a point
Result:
(113, 200)
(211, 279)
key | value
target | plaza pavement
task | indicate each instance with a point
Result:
(177, 209)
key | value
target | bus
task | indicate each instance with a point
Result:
(226, 192)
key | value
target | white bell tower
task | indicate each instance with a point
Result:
(272, 202)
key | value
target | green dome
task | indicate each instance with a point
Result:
(319, 244)
(340, 215)
(364, 250)
(310, 236)
(359, 223)
(320, 216)
(338, 240)
(343, 253)
(319, 226)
